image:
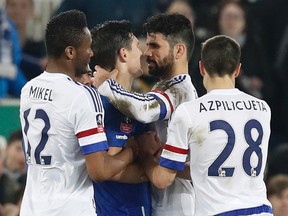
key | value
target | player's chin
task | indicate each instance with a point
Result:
(152, 71)
(139, 73)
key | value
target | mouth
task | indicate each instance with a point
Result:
(151, 63)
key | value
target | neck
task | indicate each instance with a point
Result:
(177, 69)
(225, 82)
(59, 66)
(125, 79)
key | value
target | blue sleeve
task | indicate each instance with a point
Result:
(116, 138)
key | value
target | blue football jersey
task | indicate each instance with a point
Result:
(115, 198)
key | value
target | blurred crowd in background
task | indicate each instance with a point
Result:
(259, 26)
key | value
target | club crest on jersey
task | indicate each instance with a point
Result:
(99, 120)
(126, 125)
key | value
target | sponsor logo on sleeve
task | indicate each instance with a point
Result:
(99, 120)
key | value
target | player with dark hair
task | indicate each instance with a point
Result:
(225, 133)
(64, 143)
(115, 46)
(170, 43)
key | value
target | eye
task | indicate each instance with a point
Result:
(90, 73)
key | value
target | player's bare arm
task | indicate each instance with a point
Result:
(133, 173)
(160, 176)
(101, 166)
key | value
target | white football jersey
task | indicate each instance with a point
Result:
(62, 121)
(226, 134)
(157, 106)
(153, 106)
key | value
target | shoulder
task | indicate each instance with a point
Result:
(180, 81)
(188, 104)
(182, 78)
(258, 102)
(167, 84)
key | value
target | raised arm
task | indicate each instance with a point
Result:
(155, 105)
(145, 108)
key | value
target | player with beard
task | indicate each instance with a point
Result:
(227, 147)
(170, 43)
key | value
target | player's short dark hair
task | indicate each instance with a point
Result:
(107, 39)
(175, 27)
(64, 29)
(220, 55)
(15, 136)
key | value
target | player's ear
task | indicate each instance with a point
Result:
(122, 55)
(179, 50)
(201, 68)
(69, 52)
(237, 70)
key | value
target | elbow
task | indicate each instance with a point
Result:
(97, 175)
(163, 183)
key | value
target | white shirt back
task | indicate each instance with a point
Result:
(227, 134)
(54, 111)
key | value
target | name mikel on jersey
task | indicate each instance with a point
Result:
(232, 105)
(40, 93)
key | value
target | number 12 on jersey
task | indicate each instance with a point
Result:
(42, 160)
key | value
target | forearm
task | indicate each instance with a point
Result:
(150, 165)
(103, 166)
(161, 177)
(133, 173)
(118, 162)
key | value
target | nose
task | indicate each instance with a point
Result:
(147, 52)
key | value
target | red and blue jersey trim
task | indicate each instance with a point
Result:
(175, 149)
(90, 132)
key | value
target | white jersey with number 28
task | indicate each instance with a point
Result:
(226, 133)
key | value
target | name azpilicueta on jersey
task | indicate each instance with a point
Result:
(217, 105)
